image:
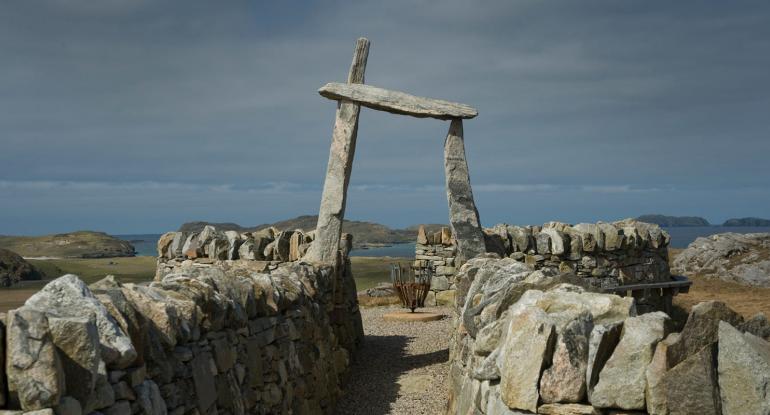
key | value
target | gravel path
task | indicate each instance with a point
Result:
(401, 368)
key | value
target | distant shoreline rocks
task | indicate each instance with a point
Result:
(747, 222)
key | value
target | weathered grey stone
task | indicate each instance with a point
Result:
(69, 296)
(559, 241)
(233, 244)
(445, 271)
(177, 243)
(604, 338)
(123, 391)
(282, 246)
(521, 238)
(701, 329)
(445, 298)
(164, 245)
(463, 215)
(744, 372)
(103, 395)
(46, 411)
(622, 382)
(191, 249)
(439, 283)
(224, 354)
(136, 375)
(613, 237)
(567, 409)
(396, 102)
(733, 257)
(149, 399)
(692, 387)
(655, 393)
(3, 397)
(68, 406)
(524, 354)
(77, 339)
(543, 241)
(757, 325)
(422, 238)
(596, 240)
(495, 405)
(119, 408)
(203, 378)
(35, 375)
(332, 211)
(565, 380)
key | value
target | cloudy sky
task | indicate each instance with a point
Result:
(133, 116)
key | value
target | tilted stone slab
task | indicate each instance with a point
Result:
(335, 192)
(744, 371)
(397, 102)
(622, 381)
(463, 215)
(528, 345)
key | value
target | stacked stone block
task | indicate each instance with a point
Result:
(603, 255)
(208, 336)
(526, 342)
(435, 255)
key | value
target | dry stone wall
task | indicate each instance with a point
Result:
(603, 255)
(525, 342)
(208, 336)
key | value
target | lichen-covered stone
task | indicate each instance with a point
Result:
(744, 372)
(69, 296)
(622, 381)
(522, 359)
(35, 375)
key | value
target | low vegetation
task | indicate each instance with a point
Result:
(81, 244)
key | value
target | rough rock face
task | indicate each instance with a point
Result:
(741, 258)
(527, 342)
(529, 330)
(603, 255)
(744, 372)
(69, 296)
(463, 215)
(522, 357)
(35, 379)
(206, 339)
(622, 382)
(13, 268)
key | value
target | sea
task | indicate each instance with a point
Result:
(145, 244)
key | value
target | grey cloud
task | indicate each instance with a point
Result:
(608, 102)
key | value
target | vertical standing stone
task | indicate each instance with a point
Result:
(329, 228)
(463, 216)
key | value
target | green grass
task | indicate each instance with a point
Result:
(80, 244)
(369, 271)
(127, 269)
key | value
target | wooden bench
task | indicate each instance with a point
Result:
(656, 296)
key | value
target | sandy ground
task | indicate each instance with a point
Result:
(401, 368)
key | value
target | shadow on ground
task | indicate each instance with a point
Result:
(372, 385)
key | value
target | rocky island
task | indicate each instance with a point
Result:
(747, 222)
(672, 221)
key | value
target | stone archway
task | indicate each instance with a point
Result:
(350, 96)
